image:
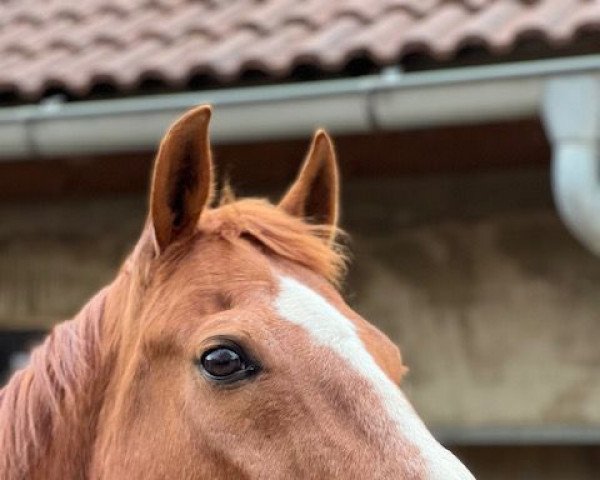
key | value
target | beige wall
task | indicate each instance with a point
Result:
(494, 304)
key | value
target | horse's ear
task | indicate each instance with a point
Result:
(314, 194)
(182, 178)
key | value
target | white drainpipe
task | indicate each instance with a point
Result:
(565, 90)
(571, 111)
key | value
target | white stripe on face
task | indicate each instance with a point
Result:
(328, 327)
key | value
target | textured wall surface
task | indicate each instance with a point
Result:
(54, 256)
(494, 304)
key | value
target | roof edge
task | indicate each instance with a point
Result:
(391, 100)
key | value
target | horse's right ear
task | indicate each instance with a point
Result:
(182, 178)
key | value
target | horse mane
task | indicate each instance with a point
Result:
(312, 246)
(51, 393)
(55, 395)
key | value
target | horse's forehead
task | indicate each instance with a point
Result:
(219, 265)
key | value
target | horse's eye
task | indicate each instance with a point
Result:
(226, 364)
(222, 362)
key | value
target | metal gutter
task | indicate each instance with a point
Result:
(390, 101)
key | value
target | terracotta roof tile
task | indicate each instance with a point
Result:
(384, 39)
(73, 45)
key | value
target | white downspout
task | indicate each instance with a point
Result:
(571, 112)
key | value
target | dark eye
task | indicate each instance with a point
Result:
(226, 364)
(222, 362)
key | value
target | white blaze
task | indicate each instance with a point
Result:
(328, 327)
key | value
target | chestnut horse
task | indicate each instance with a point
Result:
(221, 350)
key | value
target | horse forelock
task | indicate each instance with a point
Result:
(278, 234)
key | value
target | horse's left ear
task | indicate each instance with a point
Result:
(182, 178)
(314, 194)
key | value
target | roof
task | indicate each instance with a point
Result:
(75, 46)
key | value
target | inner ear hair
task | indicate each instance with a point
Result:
(182, 179)
(186, 179)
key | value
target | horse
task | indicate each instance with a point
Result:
(222, 349)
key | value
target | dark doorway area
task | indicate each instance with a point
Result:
(14, 346)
